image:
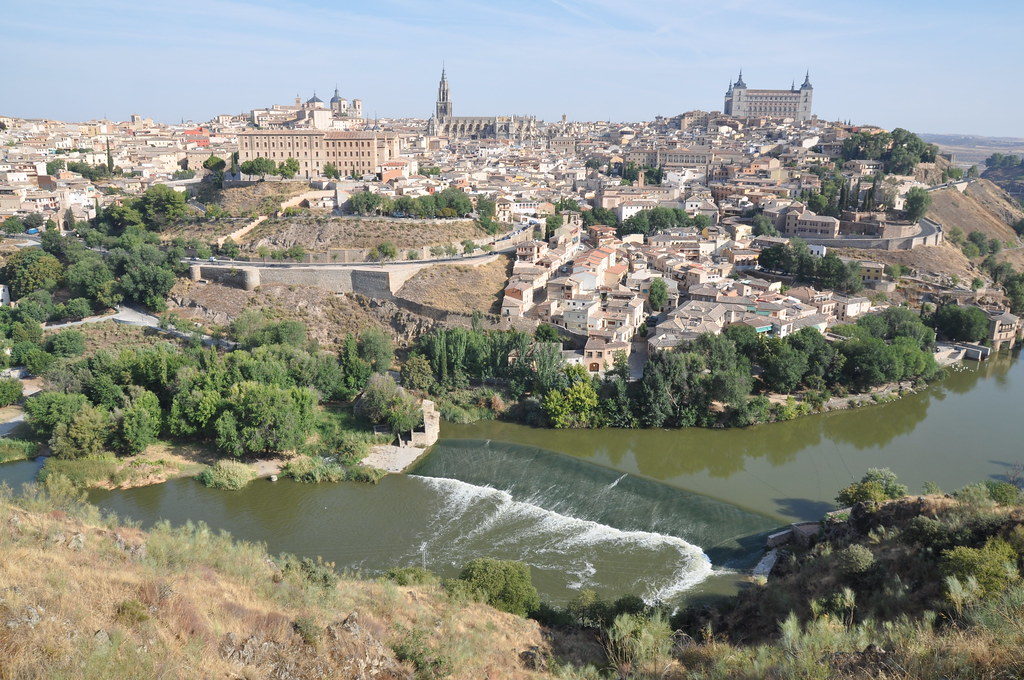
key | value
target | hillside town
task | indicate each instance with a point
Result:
(713, 210)
(511, 341)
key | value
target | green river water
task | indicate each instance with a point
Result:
(662, 513)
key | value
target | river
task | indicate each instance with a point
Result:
(662, 513)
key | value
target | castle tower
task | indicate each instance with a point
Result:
(806, 97)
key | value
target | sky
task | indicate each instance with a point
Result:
(937, 66)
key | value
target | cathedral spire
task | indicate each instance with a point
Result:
(443, 106)
(807, 81)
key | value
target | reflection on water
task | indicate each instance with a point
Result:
(948, 433)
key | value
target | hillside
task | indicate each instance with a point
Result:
(83, 597)
(460, 288)
(328, 316)
(912, 588)
(320, 233)
(982, 207)
(944, 259)
(1010, 180)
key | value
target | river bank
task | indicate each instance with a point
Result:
(612, 510)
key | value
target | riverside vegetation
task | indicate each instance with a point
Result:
(715, 380)
(276, 395)
(896, 587)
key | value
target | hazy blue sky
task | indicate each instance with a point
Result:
(935, 66)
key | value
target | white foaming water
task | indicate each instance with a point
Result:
(478, 521)
(616, 482)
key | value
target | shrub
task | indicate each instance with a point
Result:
(226, 474)
(927, 531)
(81, 472)
(993, 565)
(411, 576)
(878, 484)
(10, 391)
(16, 449)
(316, 573)
(1003, 493)
(588, 610)
(634, 641)
(505, 584)
(313, 470)
(366, 474)
(131, 612)
(855, 559)
(308, 629)
(67, 343)
(429, 663)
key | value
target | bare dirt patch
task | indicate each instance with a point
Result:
(459, 287)
(158, 463)
(945, 259)
(320, 233)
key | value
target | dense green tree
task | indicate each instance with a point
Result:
(763, 226)
(917, 202)
(547, 333)
(331, 171)
(86, 434)
(288, 168)
(416, 373)
(259, 166)
(966, 323)
(161, 206)
(574, 406)
(355, 369)
(69, 342)
(377, 349)
(504, 585)
(138, 423)
(31, 269)
(214, 164)
(10, 391)
(657, 295)
(783, 366)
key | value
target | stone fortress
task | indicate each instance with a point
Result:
(743, 102)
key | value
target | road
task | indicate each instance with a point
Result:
(125, 314)
(131, 316)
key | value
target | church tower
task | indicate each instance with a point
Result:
(443, 107)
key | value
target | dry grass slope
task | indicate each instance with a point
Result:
(323, 233)
(82, 597)
(944, 259)
(983, 207)
(460, 288)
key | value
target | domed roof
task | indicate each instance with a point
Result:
(314, 100)
(336, 98)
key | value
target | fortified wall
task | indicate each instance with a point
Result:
(371, 282)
